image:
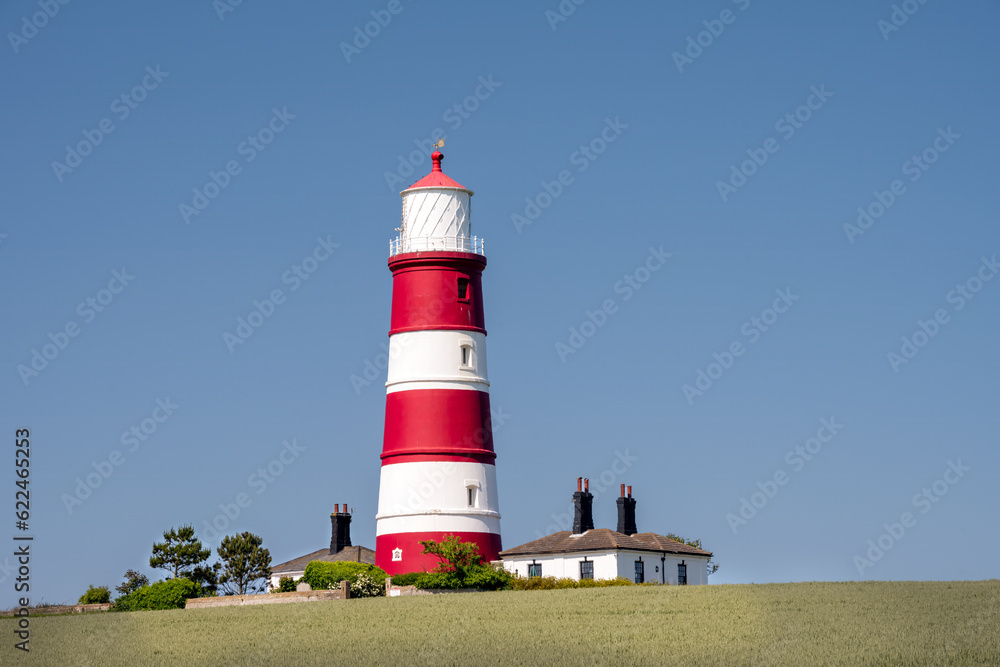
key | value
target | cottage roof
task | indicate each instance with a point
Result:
(357, 554)
(602, 539)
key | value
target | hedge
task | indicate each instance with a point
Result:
(95, 594)
(321, 575)
(552, 583)
(170, 594)
(483, 577)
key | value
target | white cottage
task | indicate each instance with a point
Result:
(588, 553)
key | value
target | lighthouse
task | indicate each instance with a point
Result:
(438, 473)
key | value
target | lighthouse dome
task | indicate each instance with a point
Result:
(436, 215)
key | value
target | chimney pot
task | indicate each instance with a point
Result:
(623, 491)
(336, 508)
(586, 485)
(629, 491)
(579, 483)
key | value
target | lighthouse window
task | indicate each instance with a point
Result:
(467, 357)
(472, 497)
(463, 288)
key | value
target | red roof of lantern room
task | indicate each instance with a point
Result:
(437, 178)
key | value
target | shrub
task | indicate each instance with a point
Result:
(617, 581)
(440, 580)
(170, 594)
(489, 578)
(407, 578)
(552, 583)
(95, 594)
(321, 575)
(286, 585)
(484, 577)
(456, 556)
(367, 586)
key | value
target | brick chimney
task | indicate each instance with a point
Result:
(583, 504)
(626, 513)
(341, 535)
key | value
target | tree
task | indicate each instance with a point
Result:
(713, 567)
(456, 556)
(95, 594)
(180, 554)
(207, 576)
(245, 563)
(133, 582)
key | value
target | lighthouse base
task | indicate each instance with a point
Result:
(402, 552)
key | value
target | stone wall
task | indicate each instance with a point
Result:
(62, 609)
(342, 593)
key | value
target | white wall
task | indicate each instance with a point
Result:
(275, 580)
(567, 565)
(659, 570)
(608, 565)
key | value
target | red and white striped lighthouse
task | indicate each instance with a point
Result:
(438, 473)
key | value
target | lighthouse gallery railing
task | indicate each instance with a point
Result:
(399, 245)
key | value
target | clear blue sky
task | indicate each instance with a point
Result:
(336, 121)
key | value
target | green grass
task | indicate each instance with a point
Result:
(869, 623)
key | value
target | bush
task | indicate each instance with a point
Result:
(368, 586)
(170, 594)
(407, 578)
(286, 585)
(440, 580)
(484, 577)
(321, 575)
(489, 578)
(95, 594)
(553, 583)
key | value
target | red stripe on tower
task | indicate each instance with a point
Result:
(438, 476)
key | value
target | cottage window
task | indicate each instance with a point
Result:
(640, 572)
(682, 574)
(587, 569)
(534, 570)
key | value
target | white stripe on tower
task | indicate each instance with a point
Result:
(437, 359)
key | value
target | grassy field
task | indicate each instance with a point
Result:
(870, 623)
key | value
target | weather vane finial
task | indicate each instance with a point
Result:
(439, 144)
